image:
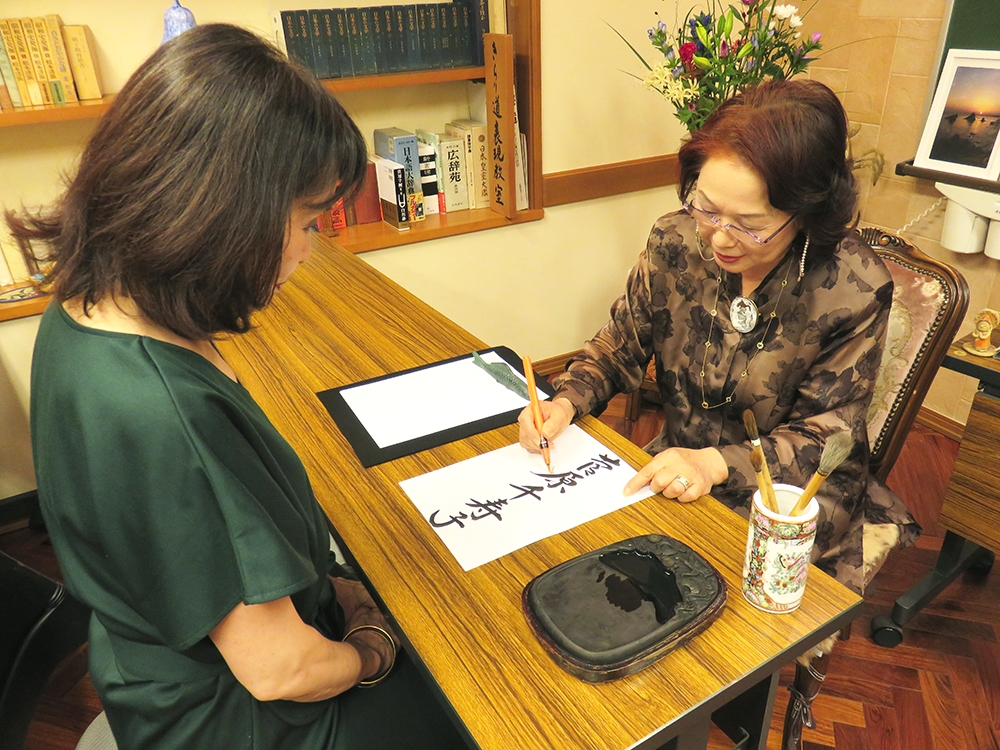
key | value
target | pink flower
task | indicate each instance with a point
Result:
(686, 52)
(816, 37)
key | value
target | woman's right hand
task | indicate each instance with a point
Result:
(558, 414)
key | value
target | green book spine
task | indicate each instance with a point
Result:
(463, 34)
(424, 32)
(343, 41)
(320, 52)
(447, 35)
(393, 39)
(303, 40)
(434, 35)
(380, 46)
(411, 34)
(328, 25)
(367, 42)
(354, 33)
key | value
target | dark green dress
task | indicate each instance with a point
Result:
(170, 498)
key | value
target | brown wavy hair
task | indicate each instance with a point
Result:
(184, 191)
(794, 135)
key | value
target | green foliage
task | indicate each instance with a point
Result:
(721, 50)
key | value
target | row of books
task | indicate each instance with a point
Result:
(44, 62)
(347, 42)
(415, 174)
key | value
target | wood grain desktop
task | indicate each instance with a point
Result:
(339, 321)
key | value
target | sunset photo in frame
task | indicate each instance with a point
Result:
(963, 125)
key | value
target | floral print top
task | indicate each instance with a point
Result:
(810, 372)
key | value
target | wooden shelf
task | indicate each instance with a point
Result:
(364, 237)
(411, 78)
(906, 168)
(88, 110)
(23, 308)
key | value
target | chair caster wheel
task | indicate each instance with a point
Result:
(885, 632)
(983, 562)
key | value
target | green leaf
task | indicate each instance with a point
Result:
(641, 58)
(699, 30)
(745, 50)
(729, 22)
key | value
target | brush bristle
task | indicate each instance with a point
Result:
(750, 424)
(837, 448)
(757, 460)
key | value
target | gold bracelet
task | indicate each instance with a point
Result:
(392, 659)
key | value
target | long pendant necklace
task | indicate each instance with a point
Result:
(746, 316)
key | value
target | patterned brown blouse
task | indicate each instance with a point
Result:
(809, 373)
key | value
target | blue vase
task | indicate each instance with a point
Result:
(176, 20)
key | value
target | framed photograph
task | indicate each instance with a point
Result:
(960, 135)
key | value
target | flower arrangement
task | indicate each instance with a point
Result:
(717, 52)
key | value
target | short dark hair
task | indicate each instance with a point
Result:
(794, 135)
(185, 189)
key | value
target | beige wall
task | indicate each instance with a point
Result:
(883, 71)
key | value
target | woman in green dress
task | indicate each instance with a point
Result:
(177, 512)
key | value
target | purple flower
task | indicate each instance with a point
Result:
(816, 37)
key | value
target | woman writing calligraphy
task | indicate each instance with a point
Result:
(757, 295)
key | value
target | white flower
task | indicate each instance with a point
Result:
(795, 22)
(785, 11)
(678, 91)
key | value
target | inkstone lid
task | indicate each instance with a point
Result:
(614, 611)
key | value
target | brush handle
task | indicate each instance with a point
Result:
(808, 493)
(764, 481)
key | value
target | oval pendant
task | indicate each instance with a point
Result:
(743, 315)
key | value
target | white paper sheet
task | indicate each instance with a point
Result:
(430, 400)
(490, 505)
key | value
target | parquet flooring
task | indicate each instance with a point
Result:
(938, 690)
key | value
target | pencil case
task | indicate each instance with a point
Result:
(614, 611)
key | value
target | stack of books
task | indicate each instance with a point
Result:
(416, 174)
(44, 62)
(348, 42)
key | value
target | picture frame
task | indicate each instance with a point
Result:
(962, 132)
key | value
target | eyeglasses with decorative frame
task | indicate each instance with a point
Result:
(736, 232)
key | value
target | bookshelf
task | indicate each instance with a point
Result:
(523, 23)
(85, 110)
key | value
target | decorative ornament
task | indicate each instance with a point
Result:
(176, 20)
(743, 314)
(982, 344)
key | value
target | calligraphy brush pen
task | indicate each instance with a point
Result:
(764, 481)
(757, 460)
(536, 411)
(837, 448)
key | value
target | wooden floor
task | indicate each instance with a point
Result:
(939, 690)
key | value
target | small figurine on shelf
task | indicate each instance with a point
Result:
(176, 20)
(981, 344)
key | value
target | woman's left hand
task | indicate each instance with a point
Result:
(681, 473)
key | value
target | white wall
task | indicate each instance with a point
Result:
(540, 288)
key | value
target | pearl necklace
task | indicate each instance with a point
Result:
(760, 344)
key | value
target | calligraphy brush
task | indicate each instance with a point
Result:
(757, 460)
(837, 448)
(764, 480)
(536, 411)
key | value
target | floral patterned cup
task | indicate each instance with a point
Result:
(778, 547)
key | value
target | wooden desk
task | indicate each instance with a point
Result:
(339, 321)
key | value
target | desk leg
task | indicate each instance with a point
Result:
(751, 711)
(695, 738)
(957, 555)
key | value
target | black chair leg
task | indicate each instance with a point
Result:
(957, 555)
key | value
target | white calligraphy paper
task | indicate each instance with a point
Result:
(495, 503)
(430, 400)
